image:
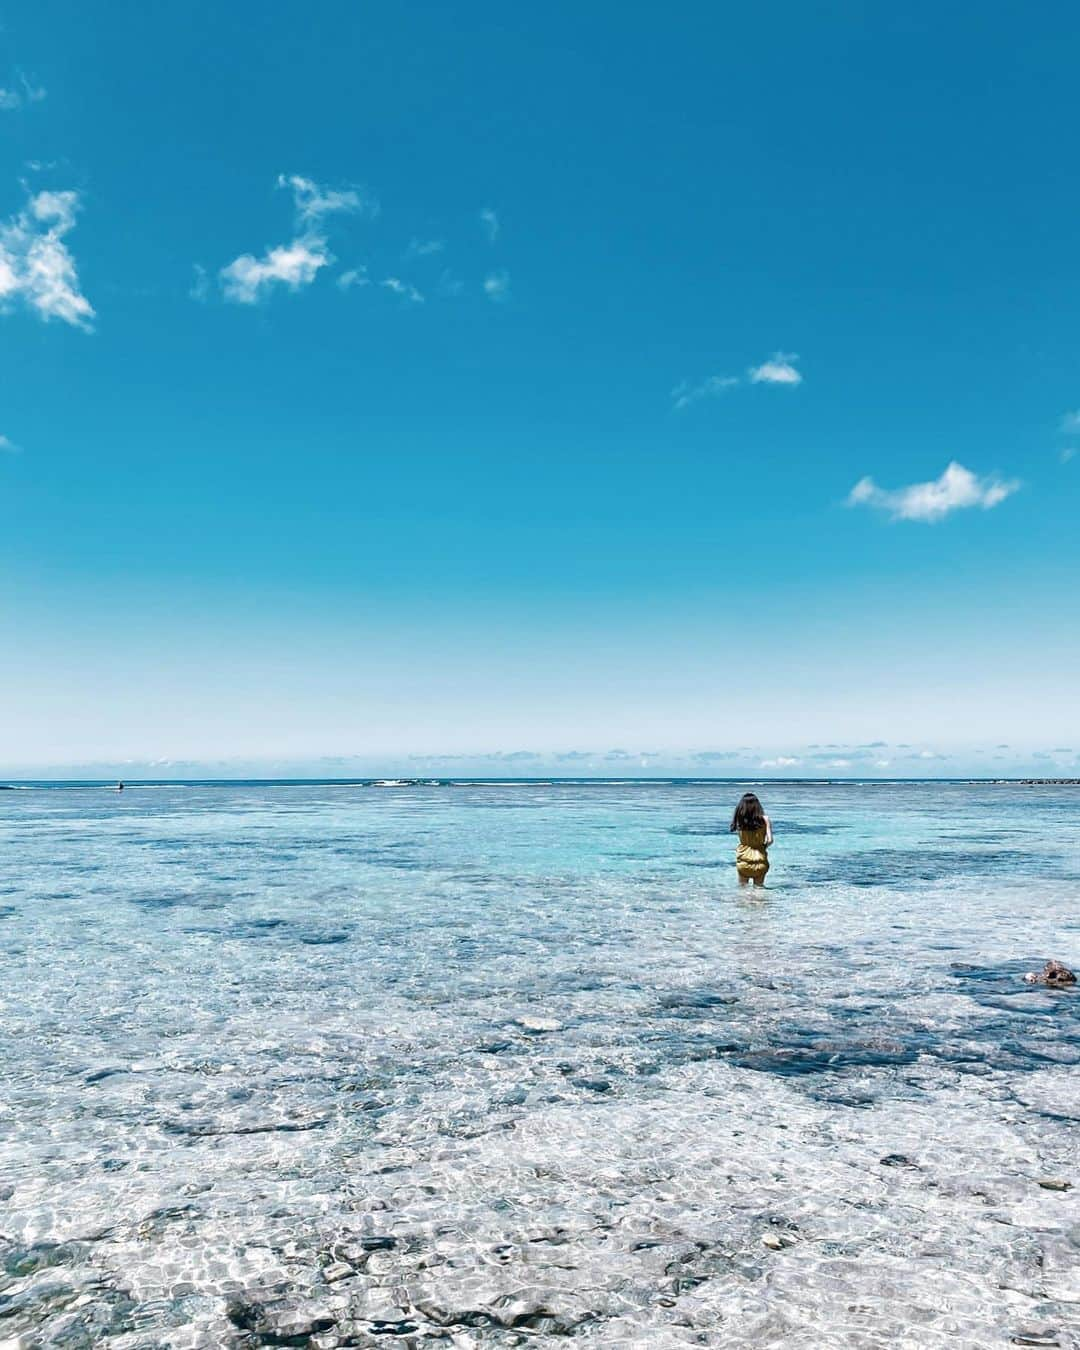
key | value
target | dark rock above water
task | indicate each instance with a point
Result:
(1053, 973)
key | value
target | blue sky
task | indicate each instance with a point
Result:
(389, 383)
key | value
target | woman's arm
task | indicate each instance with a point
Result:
(768, 832)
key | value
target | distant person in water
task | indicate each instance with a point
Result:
(752, 826)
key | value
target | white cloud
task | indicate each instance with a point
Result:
(403, 288)
(247, 279)
(423, 248)
(35, 264)
(956, 489)
(780, 762)
(1068, 453)
(8, 446)
(780, 369)
(12, 97)
(497, 286)
(355, 276)
(490, 223)
(1071, 421)
(686, 393)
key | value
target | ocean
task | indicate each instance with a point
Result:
(519, 1063)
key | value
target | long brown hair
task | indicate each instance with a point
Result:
(748, 814)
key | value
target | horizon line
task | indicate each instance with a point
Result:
(541, 779)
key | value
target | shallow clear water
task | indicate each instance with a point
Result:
(504, 1065)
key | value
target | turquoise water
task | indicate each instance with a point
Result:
(506, 1065)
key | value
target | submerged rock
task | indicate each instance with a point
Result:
(528, 1022)
(280, 1323)
(1053, 974)
(592, 1084)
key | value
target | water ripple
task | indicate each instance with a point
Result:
(313, 1067)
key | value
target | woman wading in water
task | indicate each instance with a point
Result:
(752, 826)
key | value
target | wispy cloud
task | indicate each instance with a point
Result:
(313, 202)
(247, 279)
(35, 264)
(848, 756)
(781, 762)
(424, 248)
(1068, 453)
(355, 276)
(19, 93)
(712, 386)
(8, 446)
(200, 285)
(1071, 421)
(403, 288)
(957, 488)
(450, 285)
(779, 369)
(489, 222)
(497, 286)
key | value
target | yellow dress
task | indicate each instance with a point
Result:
(751, 857)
